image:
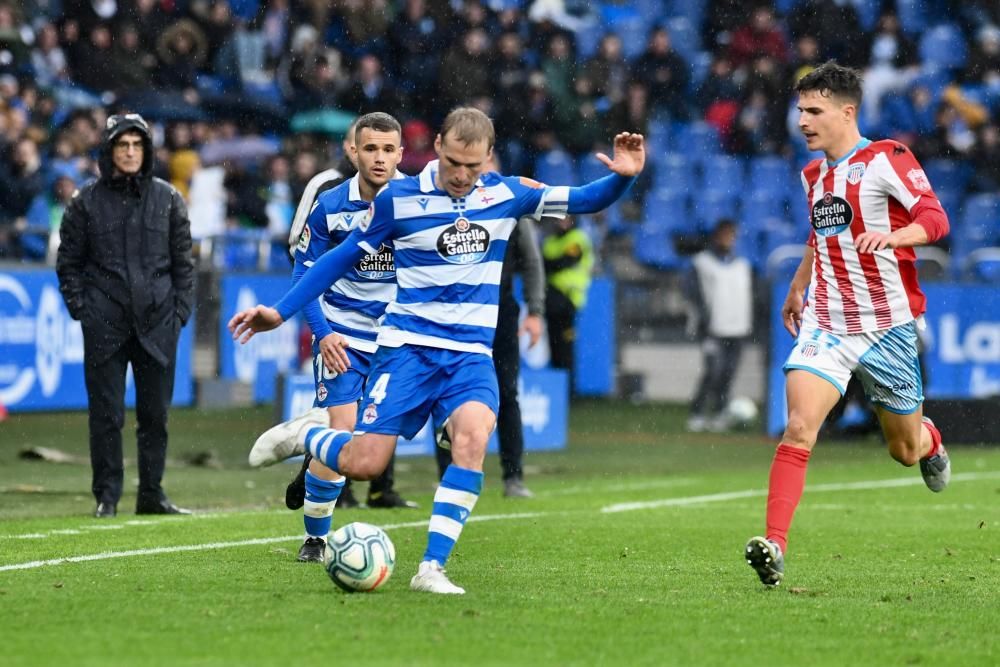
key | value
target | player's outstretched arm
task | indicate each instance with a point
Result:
(629, 157)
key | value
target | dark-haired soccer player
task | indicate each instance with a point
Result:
(450, 228)
(870, 205)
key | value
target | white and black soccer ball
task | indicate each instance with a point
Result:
(741, 411)
(359, 557)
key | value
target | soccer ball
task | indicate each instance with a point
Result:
(742, 410)
(359, 557)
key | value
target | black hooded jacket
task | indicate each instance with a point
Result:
(124, 265)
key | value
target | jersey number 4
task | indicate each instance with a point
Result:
(378, 391)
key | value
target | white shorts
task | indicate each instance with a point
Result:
(885, 361)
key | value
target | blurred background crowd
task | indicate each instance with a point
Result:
(250, 98)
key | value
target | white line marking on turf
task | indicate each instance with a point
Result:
(610, 509)
(757, 493)
(226, 545)
(602, 487)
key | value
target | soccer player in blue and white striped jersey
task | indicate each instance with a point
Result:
(343, 320)
(450, 228)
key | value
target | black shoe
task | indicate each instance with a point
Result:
(346, 499)
(312, 550)
(160, 506)
(106, 511)
(388, 500)
(295, 492)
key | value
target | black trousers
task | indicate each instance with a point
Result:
(721, 357)
(560, 320)
(507, 361)
(154, 390)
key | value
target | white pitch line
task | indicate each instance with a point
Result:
(609, 509)
(226, 545)
(757, 493)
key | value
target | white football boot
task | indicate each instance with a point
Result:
(282, 441)
(430, 577)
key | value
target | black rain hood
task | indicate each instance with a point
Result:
(117, 125)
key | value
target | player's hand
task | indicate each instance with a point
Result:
(245, 324)
(629, 155)
(333, 347)
(869, 242)
(532, 325)
(791, 312)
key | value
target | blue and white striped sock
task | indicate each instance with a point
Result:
(317, 511)
(325, 444)
(456, 496)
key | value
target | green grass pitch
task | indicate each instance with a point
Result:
(629, 555)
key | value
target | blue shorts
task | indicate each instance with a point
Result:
(885, 361)
(410, 383)
(334, 389)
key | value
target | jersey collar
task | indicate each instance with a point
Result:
(858, 146)
(354, 192)
(428, 174)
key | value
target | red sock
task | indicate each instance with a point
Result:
(935, 439)
(788, 479)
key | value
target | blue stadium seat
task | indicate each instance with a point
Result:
(634, 32)
(771, 172)
(673, 171)
(669, 208)
(983, 265)
(764, 204)
(948, 174)
(943, 46)
(588, 38)
(951, 202)
(654, 246)
(240, 250)
(981, 220)
(556, 168)
(279, 260)
(590, 169)
(712, 205)
(911, 15)
(651, 11)
(697, 140)
(723, 172)
(684, 37)
(776, 232)
(692, 10)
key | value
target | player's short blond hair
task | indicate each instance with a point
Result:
(469, 125)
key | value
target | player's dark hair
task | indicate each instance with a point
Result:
(378, 121)
(833, 80)
(469, 125)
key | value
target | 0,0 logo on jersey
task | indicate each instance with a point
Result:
(378, 265)
(463, 242)
(831, 215)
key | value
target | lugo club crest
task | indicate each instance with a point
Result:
(831, 215)
(464, 242)
(378, 265)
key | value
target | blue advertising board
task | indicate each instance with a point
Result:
(259, 361)
(595, 349)
(41, 348)
(961, 346)
(542, 394)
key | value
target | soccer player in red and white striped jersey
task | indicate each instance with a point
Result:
(870, 204)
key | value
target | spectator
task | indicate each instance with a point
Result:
(46, 213)
(417, 38)
(720, 291)
(371, 90)
(983, 67)
(986, 160)
(132, 65)
(761, 36)
(666, 73)
(21, 174)
(569, 259)
(579, 126)
(418, 147)
(559, 67)
(182, 50)
(90, 70)
(47, 58)
(892, 64)
(835, 26)
(132, 293)
(608, 70)
(465, 71)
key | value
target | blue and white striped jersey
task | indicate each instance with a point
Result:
(354, 304)
(449, 254)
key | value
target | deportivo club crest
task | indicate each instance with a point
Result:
(831, 215)
(464, 242)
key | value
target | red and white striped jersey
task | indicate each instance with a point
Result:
(871, 189)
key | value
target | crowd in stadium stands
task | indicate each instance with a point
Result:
(248, 97)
